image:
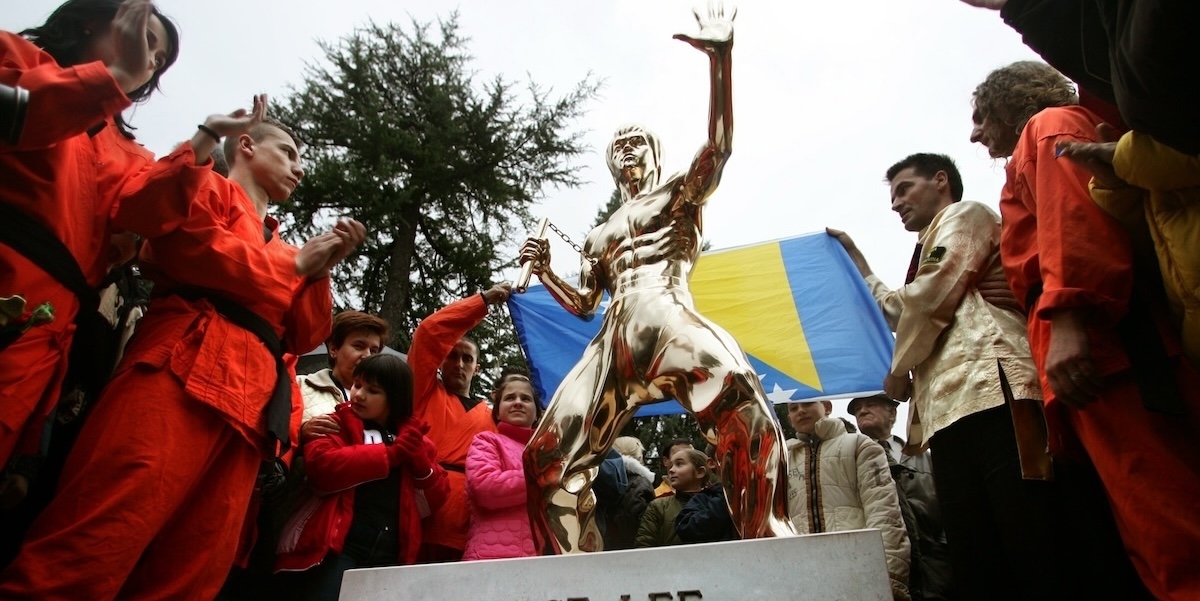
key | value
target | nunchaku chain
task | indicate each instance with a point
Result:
(527, 269)
(568, 240)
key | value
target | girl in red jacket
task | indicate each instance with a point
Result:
(373, 482)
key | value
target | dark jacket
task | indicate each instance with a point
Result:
(1137, 54)
(626, 514)
(610, 484)
(705, 518)
(930, 577)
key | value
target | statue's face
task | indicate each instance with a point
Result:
(632, 155)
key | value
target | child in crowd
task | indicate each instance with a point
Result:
(688, 476)
(496, 475)
(848, 473)
(375, 480)
(355, 336)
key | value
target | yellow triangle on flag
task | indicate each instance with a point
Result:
(746, 291)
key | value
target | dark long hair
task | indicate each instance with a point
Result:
(393, 375)
(62, 37)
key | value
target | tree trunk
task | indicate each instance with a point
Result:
(395, 298)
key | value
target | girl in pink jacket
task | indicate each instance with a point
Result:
(496, 475)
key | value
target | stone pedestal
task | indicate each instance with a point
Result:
(842, 566)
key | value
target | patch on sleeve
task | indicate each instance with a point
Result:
(935, 255)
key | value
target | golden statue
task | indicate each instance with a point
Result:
(652, 344)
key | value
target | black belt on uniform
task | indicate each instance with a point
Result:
(37, 243)
(279, 409)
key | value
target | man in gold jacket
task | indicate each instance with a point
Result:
(1012, 532)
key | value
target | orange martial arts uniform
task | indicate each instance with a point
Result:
(1054, 237)
(71, 182)
(155, 492)
(451, 426)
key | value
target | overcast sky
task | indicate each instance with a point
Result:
(826, 94)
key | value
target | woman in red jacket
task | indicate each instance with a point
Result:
(373, 482)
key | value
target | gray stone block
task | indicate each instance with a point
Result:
(841, 566)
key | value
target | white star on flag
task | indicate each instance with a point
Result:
(779, 395)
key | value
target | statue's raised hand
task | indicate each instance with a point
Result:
(716, 29)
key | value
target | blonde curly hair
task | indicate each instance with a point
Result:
(1012, 95)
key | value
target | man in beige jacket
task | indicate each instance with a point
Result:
(839, 480)
(1012, 532)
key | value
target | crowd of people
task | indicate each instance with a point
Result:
(1049, 353)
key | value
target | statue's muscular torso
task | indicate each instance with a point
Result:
(651, 237)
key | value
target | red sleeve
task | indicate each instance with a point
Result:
(434, 338)
(309, 321)
(208, 252)
(157, 199)
(332, 465)
(1018, 237)
(1083, 254)
(63, 102)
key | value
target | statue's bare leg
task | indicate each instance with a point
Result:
(562, 457)
(751, 458)
(708, 374)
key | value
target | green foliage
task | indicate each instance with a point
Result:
(441, 168)
(498, 348)
(606, 211)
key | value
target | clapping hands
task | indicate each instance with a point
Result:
(321, 253)
(410, 448)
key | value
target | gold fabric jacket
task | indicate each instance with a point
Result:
(947, 335)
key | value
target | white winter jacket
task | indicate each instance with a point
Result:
(846, 478)
(319, 392)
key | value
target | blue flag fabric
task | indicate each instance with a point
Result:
(797, 307)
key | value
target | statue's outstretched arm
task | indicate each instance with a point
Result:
(716, 40)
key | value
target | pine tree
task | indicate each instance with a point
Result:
(441, 168)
